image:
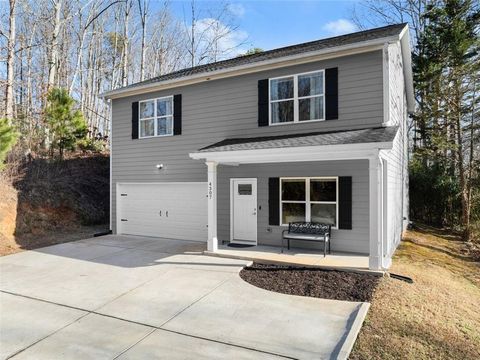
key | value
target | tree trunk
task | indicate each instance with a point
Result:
(10, 63)
(53, 61)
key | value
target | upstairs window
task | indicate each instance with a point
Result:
(156, 117)
(297, 98)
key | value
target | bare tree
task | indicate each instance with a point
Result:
(142, 8)
(54, 45)
(10, 62)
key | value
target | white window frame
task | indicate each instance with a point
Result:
(307, 200)
(295, 99)
(155, 117)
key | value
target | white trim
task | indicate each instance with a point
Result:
(295, 154)
(307, 196)
(296, 99)
(312, 56)
(407, 68)
(386, 84)
(155, 118)
(212, 240)
(376, 258)
(236, 241)
(119, 209)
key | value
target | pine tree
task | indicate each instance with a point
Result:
(446, 70)
(66, 125)
(8, 138)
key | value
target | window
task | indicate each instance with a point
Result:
(244, 189)
(309, 199)
(156, 117)
(297, 98)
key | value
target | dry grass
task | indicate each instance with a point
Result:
(437, 317)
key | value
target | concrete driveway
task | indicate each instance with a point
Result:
(126, 297)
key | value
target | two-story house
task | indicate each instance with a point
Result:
(235, 150)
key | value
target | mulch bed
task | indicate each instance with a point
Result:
(326, 284)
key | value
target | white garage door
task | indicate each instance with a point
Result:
(170, 210)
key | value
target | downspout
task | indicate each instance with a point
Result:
(109, 101)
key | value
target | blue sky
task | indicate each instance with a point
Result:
(269, 24)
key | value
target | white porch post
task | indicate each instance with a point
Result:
(376, 213)
(212, 244)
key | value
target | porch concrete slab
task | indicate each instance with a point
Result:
(25, 321)
(91, 337)
(161, 299)
(168, 345)
(298, 257)
(300, 327)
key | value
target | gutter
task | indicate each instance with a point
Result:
(356, 48)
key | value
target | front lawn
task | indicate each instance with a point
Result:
(436, 317)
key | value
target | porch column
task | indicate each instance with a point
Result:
(212, 244)
(375, 213)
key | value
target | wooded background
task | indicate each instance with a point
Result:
(89, 46)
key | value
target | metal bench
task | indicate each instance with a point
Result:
(308, 231)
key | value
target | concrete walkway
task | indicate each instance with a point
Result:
(119, 297)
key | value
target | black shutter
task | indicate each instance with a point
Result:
(135, 120)
(177, 114)
(331, 94)
(274, 201)
(263, 102)
(345, 202)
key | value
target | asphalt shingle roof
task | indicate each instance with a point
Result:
(370, 135)
(372, 34)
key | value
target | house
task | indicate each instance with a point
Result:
(235, 150)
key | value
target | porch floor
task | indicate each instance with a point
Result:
(295, 256)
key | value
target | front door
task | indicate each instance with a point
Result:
(244, 211)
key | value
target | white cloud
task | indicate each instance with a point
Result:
(340, 27)
(237, 10)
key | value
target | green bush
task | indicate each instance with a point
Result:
(92, 145)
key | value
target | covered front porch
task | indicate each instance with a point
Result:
(307, 156)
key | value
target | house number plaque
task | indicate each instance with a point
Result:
(210, 191)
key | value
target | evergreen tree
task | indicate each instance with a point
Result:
(65, 124)
(446, 73)
(8, 138)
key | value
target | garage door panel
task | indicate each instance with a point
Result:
(186, 204)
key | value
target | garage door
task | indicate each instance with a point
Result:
(170, 210)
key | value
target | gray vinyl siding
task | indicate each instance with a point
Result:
(355, 240)
(226, 108)
(397, 162)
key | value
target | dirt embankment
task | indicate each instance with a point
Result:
(48, 201)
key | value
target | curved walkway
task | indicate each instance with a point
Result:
(126, 297)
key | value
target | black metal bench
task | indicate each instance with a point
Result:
(308, 231)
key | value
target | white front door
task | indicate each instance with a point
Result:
(244, 210)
